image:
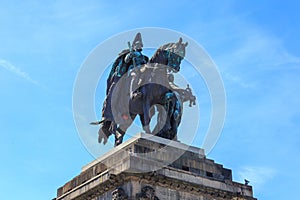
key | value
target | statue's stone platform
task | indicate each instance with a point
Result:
(150, 167)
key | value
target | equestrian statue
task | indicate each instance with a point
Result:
(139, 86)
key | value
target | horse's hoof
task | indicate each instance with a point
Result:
(100, 138)
(118, 142)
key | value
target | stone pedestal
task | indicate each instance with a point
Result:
(150, 168)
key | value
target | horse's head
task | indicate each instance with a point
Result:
(175, 54)
(170, 54)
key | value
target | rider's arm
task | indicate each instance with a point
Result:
(128, 57)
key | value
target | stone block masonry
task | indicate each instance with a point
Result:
(147, 167)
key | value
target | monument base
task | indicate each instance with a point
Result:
(147, 167)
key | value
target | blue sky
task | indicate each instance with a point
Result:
(254, 44)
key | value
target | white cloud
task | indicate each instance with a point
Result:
(263, 50)
(285, 58)
(238, 80)
(253, 47)
(7, 65)
(258, 176)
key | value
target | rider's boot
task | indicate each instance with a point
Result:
(119, 134)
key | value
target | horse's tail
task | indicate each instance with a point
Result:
(97, 122)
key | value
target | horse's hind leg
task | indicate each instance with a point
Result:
(119, 135)
(104, 132)
(121, 130)
(146, 126)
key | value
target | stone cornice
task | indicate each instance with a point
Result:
(107, 182)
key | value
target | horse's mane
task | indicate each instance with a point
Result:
(166, 46)
(158, 55)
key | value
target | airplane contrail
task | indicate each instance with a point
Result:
(7, 65)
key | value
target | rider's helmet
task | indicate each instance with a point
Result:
(137, 43)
